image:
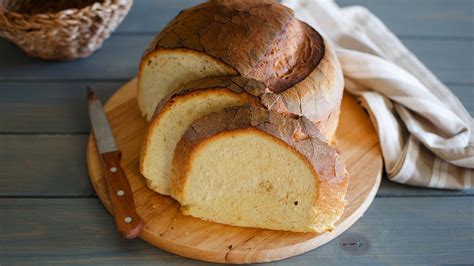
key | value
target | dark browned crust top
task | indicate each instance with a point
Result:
(295, 54)
(259, 39)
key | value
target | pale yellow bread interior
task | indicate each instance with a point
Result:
(247, 177)
(170, 123)
(253, 167)
(165, 70)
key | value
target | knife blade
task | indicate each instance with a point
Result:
(128, 222)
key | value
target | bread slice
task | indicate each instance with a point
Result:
(179, 109)
(260, 40)
(166, 70)
(247, 166)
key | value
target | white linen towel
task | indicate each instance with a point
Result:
(426, 135)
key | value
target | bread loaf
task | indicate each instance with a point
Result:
(261, 40)
(248, 166)
(177, 111)
(242, 99)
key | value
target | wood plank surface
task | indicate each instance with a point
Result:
(422, 18)
(118, 60)
(60, 107)
(450, 60)
(393, 231)
(392, 189)
(149, 17)
(37, 165)
(414, 18)
(55, 165)
(49, 107)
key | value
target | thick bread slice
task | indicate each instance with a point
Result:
(178, 110)
(247, 166)
(261, 40)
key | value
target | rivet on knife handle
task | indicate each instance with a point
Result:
(128, 222)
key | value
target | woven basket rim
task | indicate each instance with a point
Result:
(63, 12)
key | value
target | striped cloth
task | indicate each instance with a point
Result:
(426, 135)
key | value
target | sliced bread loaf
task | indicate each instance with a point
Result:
(261, 40)
(251, 167)
(177, 111)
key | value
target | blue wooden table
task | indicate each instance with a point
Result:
(50, 214)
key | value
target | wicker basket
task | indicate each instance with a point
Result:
(60, 29)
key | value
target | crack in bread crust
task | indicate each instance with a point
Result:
(257, 91)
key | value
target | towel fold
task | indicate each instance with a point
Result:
(426, 135)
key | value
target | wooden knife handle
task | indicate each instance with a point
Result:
(128, 222)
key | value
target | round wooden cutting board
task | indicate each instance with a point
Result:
(168, 229)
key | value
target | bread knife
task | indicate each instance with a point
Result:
(128, 222)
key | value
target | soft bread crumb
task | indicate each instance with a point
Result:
(251, 180)
(171, 123)
(165, 70)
